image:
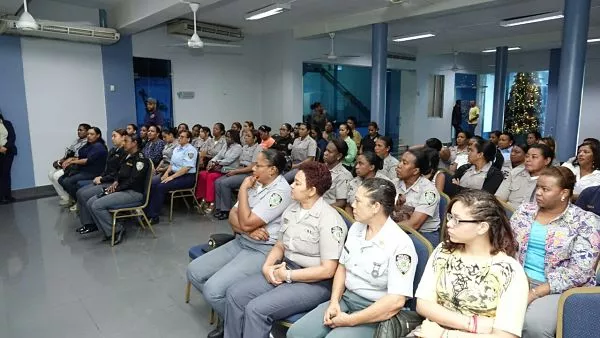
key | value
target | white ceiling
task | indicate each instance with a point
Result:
(105, 4)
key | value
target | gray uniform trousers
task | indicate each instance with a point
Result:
(214, 272)
(311, 325)
(224, 190)
(253, 304)
(99, 208)
(541, 318)
(83, 195)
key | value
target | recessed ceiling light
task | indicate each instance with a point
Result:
(494, 50)
(531, 19)
(267, 11)
(413, 37)
(593, 40)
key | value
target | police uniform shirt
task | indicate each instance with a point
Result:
(249, 154)
(460, 157)
(424, 197)
(389, 167)
(474, 179)
(168, 151)
(589, 200)
(184, 156)
(586, 181)
(268, 203)
(340, 177)
(203, 145)
(356, 182)
(383, 265)
(133, 173)
(311, 236)
(303, 149)
(517, 188)
(217, 146)
(228, 157)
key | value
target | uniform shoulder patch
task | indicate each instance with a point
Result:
(191, 155)
(139, 166)
(403, 262)
(429, 197)
(337, 232)
(275, 200)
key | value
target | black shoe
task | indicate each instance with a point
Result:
(88, 230)
(223, 215)
(80, 229)
(119, 237)
(154, 220)
(218, 332)
(217, 214)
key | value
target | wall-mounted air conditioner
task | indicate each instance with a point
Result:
(205, 30)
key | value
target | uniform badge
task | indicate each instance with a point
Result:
(337, 233)
(285, 221)
(429, 197)
(376, 272)
(139, 166)
(403, 262)
(275, 200)
(191, 155)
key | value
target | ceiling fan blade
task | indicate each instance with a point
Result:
(176, 45)
(348, 56)
(210, 44)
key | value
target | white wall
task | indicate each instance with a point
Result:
(64, 86)
(408, 105)
(58, 11)
(227, 87)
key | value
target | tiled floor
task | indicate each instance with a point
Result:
(55, 283)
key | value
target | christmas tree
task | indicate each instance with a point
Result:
(522, 113)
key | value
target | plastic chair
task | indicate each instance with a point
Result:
(347, 218)
(424, 250)
(193, 253)
(137, 211)
(444, 202)
(417, 234)
(578, 313)
(188, 192)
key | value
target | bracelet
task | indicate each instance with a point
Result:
(475, 323)
(535, 293)
(288, 278)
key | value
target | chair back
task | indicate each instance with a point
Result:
(198, 163)
(444, 202)
(508, 209)
(347, 218)
(318, 155)
(424, 250)
(149, 176)
(578, 313)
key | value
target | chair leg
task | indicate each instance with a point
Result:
(171, 211)
(140, 221)
(114, 226)
(188, 289)
(148, 223)
(186, 203)
(212, 316)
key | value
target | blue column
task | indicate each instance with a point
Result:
(552, 106)
(572, 67)
(378, 73)
(500, 88)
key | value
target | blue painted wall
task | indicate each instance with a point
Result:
(13, 104)
(117, 61)
(552, 108)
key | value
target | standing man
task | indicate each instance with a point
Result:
(153, 115)
(473, 117)
(8, 150)
(457, 118)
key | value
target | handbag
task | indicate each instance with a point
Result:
(72, 170)
(400, 325)
(216, 240)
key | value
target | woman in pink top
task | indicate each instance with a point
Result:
(266, 140)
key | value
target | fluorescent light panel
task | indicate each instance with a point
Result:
(413, 37)
(532, 19)
(593, 40)
(267, 11)
(494, 50)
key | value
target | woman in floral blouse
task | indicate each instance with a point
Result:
(559, 244)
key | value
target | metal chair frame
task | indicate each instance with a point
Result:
(188, 192)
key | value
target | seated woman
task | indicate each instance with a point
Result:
(226, 160)
(329, 132)
(183, 127)
(203, 143)
(284, 141)
(90, 163)
(383, 149)
(296, 276)
(195, 132)
(180, 174)
(558, 244)
(317, 135)
(518, 154)
(218, 140)
(533, 137)
(418, 203)
(435, 174)
(586, 167)
(153, 149)
(519, 186)
(479, 173)
(375, 275)
(224, 185)
(472, 286)
(334, 154)
(368, 165)
(549, 141)
(266, 141)
(256, 221)
(304, 150)
(346, 135)
(505, 145)
(170, 144)
(456, 156)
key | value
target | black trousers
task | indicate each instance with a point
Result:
(6, 161)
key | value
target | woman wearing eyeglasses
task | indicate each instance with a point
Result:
(559, 245)
(471, 284)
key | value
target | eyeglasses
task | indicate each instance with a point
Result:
(262, 165)
(452, 219)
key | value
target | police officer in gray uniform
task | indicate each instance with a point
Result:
(296, 276)
(304, 149)
(334, 154)
(126, 191)
(256, 219)
(375, 274)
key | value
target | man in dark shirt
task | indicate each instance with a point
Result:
(153, 115)
(589, 200)
(8, 150)
(127, 191)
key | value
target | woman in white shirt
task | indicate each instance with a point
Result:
(585, 167)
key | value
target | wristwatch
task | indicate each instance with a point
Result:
(288, 276)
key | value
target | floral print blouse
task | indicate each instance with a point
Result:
(572, 245)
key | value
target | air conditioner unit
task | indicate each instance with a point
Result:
(205, 30)
(62, 31)
(401, 56)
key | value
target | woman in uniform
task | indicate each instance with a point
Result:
(472, 285)
(219, 141)
(383, 149)
(284, 141)
(375, 275)
(256, 220)
(144, 135)
(226, 160)
(180, 174)
(296, 276)
(368, 165)
(334, 154)
(182, 127)
(203, 143)
(224, 185)
(304, 150)
(170, 144)
(346, 136)
(457, 156)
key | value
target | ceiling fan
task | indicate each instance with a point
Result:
(26, 20)
(455, 68)
(331, 56)
(194, 41)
